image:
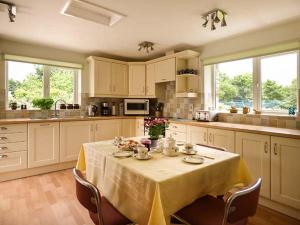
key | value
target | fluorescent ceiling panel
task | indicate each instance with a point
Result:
(91, 12)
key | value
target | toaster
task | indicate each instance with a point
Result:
(205, 115)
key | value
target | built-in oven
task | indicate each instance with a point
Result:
(136, 106)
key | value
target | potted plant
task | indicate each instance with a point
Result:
(156, 128)
(44, 104)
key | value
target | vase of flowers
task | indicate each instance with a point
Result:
(155, 128)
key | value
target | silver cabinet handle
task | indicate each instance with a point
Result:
(275, 149)
(204, 137)
(3, 128)
(3, 156)
(266, 147)
(3, 148)
(3, 138)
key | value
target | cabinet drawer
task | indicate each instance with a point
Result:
(15, 128)
(14, 137)
(13, 147)
(177, 127)
(13, 161)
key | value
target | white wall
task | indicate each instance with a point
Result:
(255, 39)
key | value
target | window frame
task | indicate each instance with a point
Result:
(257, 84)
(46, 81)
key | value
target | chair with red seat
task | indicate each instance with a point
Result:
(209, 210)
(100, 210)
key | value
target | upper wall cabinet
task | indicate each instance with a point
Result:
(137, 80)
(165, 70)
(107, 78)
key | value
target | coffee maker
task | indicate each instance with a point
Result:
(104, 109)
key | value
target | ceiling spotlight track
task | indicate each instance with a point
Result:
(146, 45)
(215, 16)
(11, 9)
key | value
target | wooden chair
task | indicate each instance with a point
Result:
(209, 210)
(100, 209)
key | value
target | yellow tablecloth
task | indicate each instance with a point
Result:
(148, 192)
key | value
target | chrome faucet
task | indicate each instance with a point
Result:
(55, 107)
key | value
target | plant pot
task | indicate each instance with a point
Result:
(44, 114)
(153, 142)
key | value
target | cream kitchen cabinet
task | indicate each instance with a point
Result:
(119, 83)
(150, 80)
(285, 171)
(177, 131)
(107, 129)
(197, 135)
(165, 70)
(137, 80)
(255, 150)
(107, 78)
(128, 127)
(43, 144)
(221, 138)
(72, 136)
(140, 127)
(12, 161)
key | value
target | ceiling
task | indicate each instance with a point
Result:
(170, 24)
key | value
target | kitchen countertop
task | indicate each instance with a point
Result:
(282, 132)
(66, 119)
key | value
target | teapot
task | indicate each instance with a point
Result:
(170, 143)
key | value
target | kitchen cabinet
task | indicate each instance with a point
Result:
(137, 80)
(165, 70)
(150, 80)
(43, 144)
(107, 129)
(177, 131)
(128, 128)
(197, 135)
(285, 171)
(72, 136)
(119, 79)
(221, 138)
(140, 127)
(107, 78)
(255, 150)
(12, 161)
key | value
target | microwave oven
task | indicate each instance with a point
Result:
(136, 106)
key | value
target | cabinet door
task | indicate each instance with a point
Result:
(107, 129)
(139, 127)
(165, 70)
(221, 138)
(103, 78)
(285, 171)
(128, 127)
(119, 79)
(197, 135)
(137, 80)
(13, 161)
(255, 150)
(150, 80)
(72, 136)
(43, 144)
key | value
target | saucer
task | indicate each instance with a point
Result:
(191, 152)
(136, 156)
(173, 154)
(122, 154)
(194, 159)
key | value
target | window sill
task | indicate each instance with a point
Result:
(264, 114)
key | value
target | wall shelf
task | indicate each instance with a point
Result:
(187, 95)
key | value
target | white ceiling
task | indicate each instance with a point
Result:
(170, 24)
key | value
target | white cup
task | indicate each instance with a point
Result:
(142, 152)
(188, 147)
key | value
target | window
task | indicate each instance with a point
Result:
(267, 83)
(234, 84)
(27, 81)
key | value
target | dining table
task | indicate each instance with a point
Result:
(148, 192)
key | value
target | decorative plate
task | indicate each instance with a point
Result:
(136, 156)
(189, 152)
(194, 159)
(122, 154)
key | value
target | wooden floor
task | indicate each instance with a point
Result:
(50, 199)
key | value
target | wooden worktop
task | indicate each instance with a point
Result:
(282, 132)
(66, 119)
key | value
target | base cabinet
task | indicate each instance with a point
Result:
(13, 161)
(107, 129)
(139, 127)
(255, 150)
(43, 144)
(221, 138)
(285, 171)
(197, 135)
(72, 136)
(128, 128)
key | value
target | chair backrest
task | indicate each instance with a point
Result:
(88, 194)
(242, 204)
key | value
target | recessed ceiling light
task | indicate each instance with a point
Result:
(91, 12)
